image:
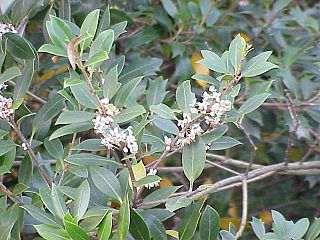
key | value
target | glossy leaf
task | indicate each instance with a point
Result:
(87, 159)
(138, 227)
(123, 220)
(184, 96)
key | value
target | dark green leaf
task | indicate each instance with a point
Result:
(130, 113)
(9, 74)
(87, 159)
(138, 227)
(123, 220)
(106, 182)
(75, 117)
(41, 215)
(253, 103)
(81, 200)
(69, 129)
(19, 46)
(184, 96)
(209, 224)
(23, 82)
(105, 227)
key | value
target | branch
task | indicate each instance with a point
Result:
(30, 151)
(244, 207)
(10, 194)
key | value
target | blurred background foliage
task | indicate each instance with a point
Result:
(166, 37)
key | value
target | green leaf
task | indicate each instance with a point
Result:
(105, 227)
(26, 170)
(227, 235)
(206, 78)
(51, 233)
(81, 200)
(176, 203)
(123, 220)
(130, 113)
(84, 96)
(96, 60)
(48, 111)
(140, 67)
(89, 26)
(166, 125)
(19, 46)
(106, 182)
(103, 42)
(75, 117)
(184, 96)
(170, 8)
(90, 145)
(23, 82)
(41, 215)
(157, 230)
(62, 30)
(213, 61)
(6, 146)
(125, 91)
(52, 49)
(58, 202)
(9, 74)
(156, 91)
(146, 180)
(138, 227)
(300, 228)
(163, 111)
(314, 230)
(237, 51)
(224, 143)
(258, 65)
(214, 134)
(259, 69)
(209, 224)
(87, 159)
(253, 103)
(8, 159)
(55, 148)
(160, 194)
(46, 198)
(190, 221)
(111, 84)
(104, 22)
(193, 159)
(72, 128)
(75, 232)
(258, 228)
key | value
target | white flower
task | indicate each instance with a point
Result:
(24, 146)
(6, 28)
(121, 138)
(167, 142)
(5, 105)
(103, 122)
(153, 184)
(3, 86)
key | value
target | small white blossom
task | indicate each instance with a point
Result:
(5, 105)
(24, 146)
(121, 138)
(3, 86)
(6, 28)
(103, 122)
(167, 142)
(153, 184)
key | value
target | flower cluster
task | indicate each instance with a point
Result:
(5, 104)
(211, 108)
(153, 184)
(102, 122)
(121, 138)
(7, 27)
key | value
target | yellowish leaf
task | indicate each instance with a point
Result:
(246, 37)
(224, 223)
(139, 171)
(173, 233)
(199, 68)
(266, 217)
(165, 182)
(232, 212)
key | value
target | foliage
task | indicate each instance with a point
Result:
(129, 97)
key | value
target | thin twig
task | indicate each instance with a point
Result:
(244, 207)
(30, 151)
(13, 197)
(40, 100)
(66, 165)
(222, 167)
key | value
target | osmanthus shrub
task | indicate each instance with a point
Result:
(103, 119)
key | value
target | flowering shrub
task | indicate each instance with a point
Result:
(96, 159)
